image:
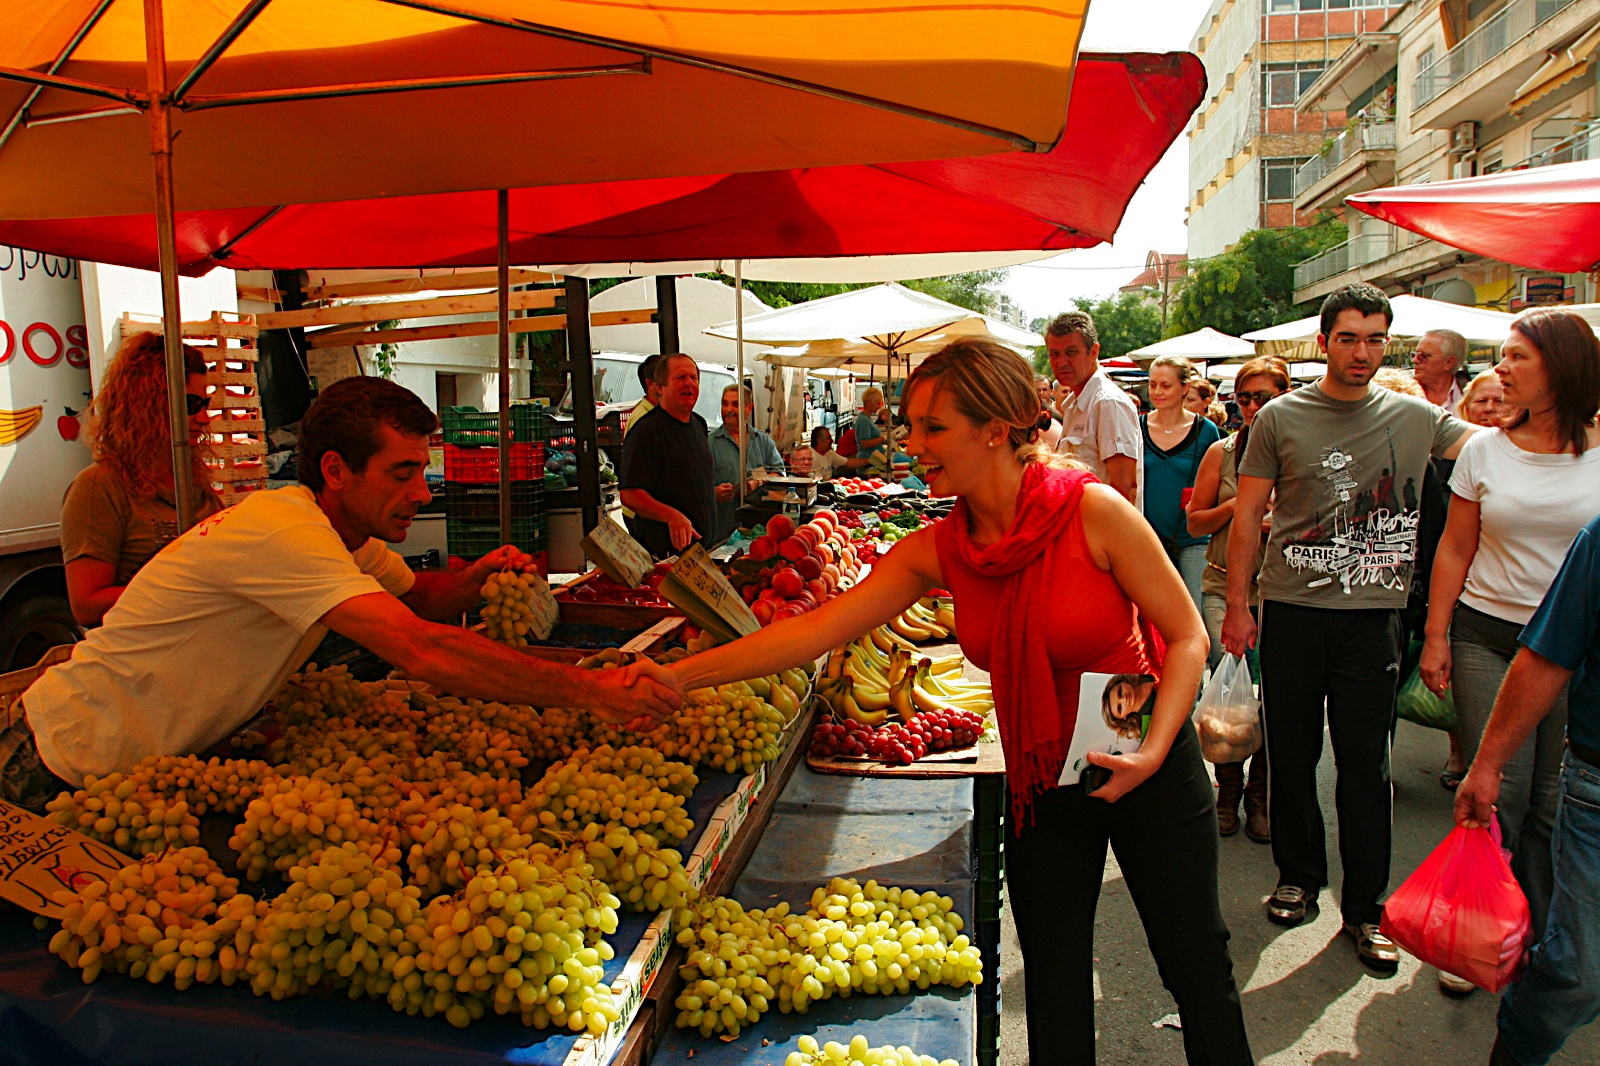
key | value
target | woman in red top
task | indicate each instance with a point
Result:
(1051, 572)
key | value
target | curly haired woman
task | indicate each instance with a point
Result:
(121, 509)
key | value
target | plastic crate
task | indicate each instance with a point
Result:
(473, 540)
(481, 503)
(608, 430)
(480, 465)
(468, 425)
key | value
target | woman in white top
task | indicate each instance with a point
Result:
(1520, 496)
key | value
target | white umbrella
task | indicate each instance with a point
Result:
(1413, 316)
(1227, 374)
(1204, 345)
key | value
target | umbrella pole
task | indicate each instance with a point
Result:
(738, 331)
(503, 344)
(160, 122)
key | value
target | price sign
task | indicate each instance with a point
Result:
(546, 612)
(698, 588)
(40, 857)
(624, 559)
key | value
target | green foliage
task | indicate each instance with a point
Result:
(1250, 286)
(1125, 322)
(383, 359)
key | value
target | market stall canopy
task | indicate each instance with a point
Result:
(1226, 373)
(881, 326)
(1413, 316)
(1547, 218)
(1204, 345)
(1125, 110)
(302, 101)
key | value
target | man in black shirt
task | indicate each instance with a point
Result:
(667, 467)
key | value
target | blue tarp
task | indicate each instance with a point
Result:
(49, 1017)
(903, 832)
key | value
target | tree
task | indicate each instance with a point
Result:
(1250, 286)
(976, 290)
(1124, 322)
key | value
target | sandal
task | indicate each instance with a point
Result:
(1450, 780)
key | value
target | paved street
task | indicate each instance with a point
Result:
(1306, 997)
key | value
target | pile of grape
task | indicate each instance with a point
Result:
(510, 612)
(632, 789)
(858, 1053)
(927, 732)
(847, 737)
(853, 938)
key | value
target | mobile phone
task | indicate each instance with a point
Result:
(1093, 778)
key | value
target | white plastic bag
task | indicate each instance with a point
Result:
(1228, 716)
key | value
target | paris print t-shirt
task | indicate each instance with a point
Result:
(1349, 475)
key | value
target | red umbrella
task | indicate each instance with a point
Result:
(1547, 218)
(1124, 113)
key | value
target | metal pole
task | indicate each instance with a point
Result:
(503, 345)
(160, 121)
(667, 314)
(580, 363)
(738, 332)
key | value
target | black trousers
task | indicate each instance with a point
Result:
(1165, 836)
(1349, 663)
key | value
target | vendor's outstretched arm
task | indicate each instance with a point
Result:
(444, 596)
(462, 663)
(898, 580)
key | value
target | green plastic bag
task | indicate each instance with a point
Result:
(1416, 704)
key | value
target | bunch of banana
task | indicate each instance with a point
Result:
(876, 674)
(14, 425)
(931, 618)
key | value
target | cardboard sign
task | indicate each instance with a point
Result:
(39, 857)
(697, 588)
(624, 559)
(546, 612)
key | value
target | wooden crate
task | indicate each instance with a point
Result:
(239, 433)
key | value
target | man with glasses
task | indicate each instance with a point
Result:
(1439, 354)
(1337, 455)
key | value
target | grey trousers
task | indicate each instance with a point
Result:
(1481, 650)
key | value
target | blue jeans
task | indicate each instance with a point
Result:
(1190, 563)
(1560, 990)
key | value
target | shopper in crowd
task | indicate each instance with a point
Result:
(213, 625)
(1218, 414)
(826, 463)
(1051, 574)
(1259, 382)
(652, 392)
(667, 469)
(121, 509)
(1176, 439)
(1343, 460)
(1440, 353)
(1483, 401)
(1520, 496)
(1049, 423)
(1100, 422)
(1199, 395)
(869, 430)
(760, 454)
(1559, 990)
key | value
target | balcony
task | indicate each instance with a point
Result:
(1359, 159)
(1381, 254)
(1582, 144)
(1475, 80)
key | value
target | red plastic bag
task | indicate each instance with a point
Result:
(1463, 911)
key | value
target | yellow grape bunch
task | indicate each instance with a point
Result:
(516, 607)
(857, 1053)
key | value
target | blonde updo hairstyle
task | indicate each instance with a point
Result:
(1187, 374)
(987, 382)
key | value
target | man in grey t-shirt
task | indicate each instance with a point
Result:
(1346, 462)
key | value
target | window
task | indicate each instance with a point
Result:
(1282, 83)
(1424, 60)
(1277, 178)
(1289, 7)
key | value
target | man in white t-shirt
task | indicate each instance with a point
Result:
(1099, 422)
(212, 626)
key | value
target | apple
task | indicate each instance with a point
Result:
(763, 610)
(67, 425)
(795, 548)
(788, 583)
(827, 515)
(763, 548)
(780, 528)
(818, 589)
(810, 567)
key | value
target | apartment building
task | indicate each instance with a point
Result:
(1448, 90)
(1248, 139)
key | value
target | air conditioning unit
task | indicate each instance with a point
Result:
(1464, 137)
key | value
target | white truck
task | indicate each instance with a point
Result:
(44, 393)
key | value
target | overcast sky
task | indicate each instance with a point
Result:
(1155, 217)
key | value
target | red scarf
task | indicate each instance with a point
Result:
(1020, 672)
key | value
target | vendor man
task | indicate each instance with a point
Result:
(760, 454)
(666, 465)
(211, 627)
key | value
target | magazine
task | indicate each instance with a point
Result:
(1113, 717)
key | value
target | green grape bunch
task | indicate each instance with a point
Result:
(857, 1053)
(511, 610)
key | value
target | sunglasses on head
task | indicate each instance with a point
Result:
(195, 404)
(1257, 398)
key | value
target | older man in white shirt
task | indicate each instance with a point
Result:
(1100, 422)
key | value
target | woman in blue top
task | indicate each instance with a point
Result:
(1175, 441)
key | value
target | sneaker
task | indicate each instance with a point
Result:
(1372, 947)
(1452, 985)
(1288, 904)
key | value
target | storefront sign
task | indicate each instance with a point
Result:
(40, 857)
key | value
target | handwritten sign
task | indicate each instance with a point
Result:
(624, 559)
(546, 612)
(39, 857)
(696, 587)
